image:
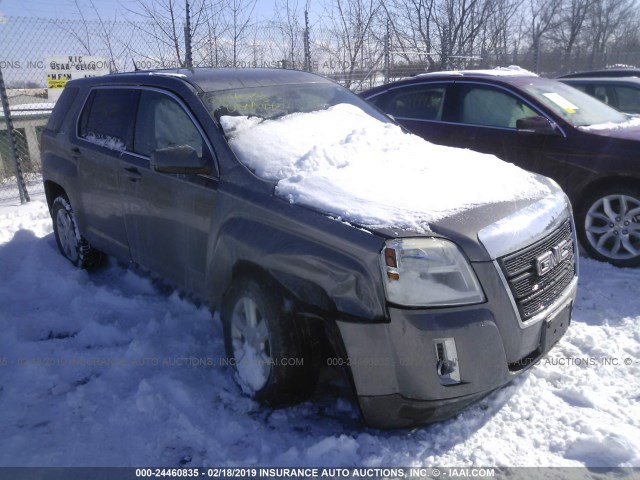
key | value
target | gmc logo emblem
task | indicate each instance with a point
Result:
(549, 259)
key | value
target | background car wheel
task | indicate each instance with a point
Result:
(608, 225)
(268, 348)
(71, 244)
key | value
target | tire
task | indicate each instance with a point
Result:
(608, 225)
(71, 244)
(269, 350)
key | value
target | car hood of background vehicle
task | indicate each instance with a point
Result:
(629, 130)
(352, 167)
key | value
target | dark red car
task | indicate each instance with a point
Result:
(542, 125)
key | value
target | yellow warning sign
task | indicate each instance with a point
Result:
(57, 81)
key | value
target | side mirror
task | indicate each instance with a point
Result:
(178, 159)
(537, 125)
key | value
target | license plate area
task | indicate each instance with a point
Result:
(555, 327)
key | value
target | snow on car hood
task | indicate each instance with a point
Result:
(349, 165)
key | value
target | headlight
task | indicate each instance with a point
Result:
(428, 272)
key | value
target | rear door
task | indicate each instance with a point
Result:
(167, 215)
(104, 132)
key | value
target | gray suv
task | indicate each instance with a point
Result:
(157, 169)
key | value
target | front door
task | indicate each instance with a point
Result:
(167, 215)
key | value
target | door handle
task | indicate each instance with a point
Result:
(75, 150)
(132, 174)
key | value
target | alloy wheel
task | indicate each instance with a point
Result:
(67, 235)
(612, 226)
(250, 340)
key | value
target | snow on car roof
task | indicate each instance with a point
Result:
(510, 71)
(345, 163)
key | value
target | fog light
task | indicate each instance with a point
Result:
(447, 366)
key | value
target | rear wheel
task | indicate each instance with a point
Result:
(269, 350)
(71, 244)
(609, 225)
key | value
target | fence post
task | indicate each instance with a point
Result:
(188, 61)
(444, 62)
(22, 187)
(307, 47)
(387, 48)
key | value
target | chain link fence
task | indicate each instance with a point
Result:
(356, 61)
(27, 43)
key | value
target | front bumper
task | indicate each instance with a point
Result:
(395, 366)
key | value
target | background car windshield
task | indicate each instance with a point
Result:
(576, 107)
(273, 101)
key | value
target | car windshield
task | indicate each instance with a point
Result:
(576, 107)
(273, 101)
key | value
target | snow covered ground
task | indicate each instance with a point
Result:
(109, 369)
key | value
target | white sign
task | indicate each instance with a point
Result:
(62, 68)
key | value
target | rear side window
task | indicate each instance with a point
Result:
(628, 99)
(422, 103)
(107, 116)
(582, 88)
(63, 105)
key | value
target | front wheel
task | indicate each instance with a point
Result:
(269, 350)
(609, 225)
(71, 244)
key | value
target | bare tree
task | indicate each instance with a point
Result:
(351, 25)
(574, 20)
(625, 45)
(501, 34)
(92, 32)
(412, 25)
(81, 35)
(288, 21)
(239, 14)
(164, 22)
(543, 18)
(212, 46)
(606, 19)
(459, 24)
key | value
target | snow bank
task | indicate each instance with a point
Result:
(349, 165)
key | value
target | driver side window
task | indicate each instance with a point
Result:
(162, 123)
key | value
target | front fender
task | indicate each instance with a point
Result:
(323, 263)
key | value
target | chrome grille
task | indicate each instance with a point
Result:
(531, 291)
